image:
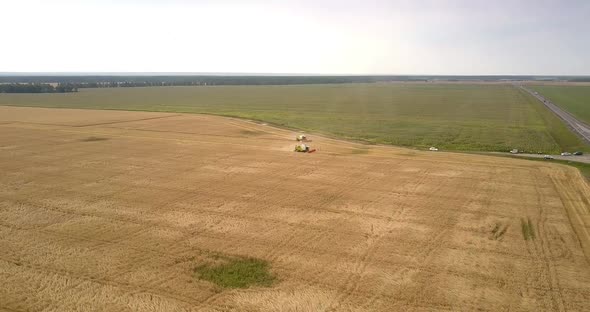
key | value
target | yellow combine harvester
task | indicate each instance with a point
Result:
(301, 138)
(302, 148)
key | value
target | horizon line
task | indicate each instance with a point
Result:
(132, 73)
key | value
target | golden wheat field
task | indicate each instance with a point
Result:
(113, 211)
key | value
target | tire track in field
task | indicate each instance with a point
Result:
(259, 128)
(128, 288)
(352, 282)
(4, 306)
(122, 121)
(273, 254)
(425, 254)
(542, 250)
(321, 232)
(88, 125)
(539, 276)
(157, 138)
(152, 225)
(174, 254)
(572, 198)
(197, 134)
(433, 270)
(150, 286)
(191, 232)
(370, 297)
(171, 252)
(97, 241)
(392, 219)
(301, 231)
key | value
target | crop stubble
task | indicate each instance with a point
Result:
(119, 223)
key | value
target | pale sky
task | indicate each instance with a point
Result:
(474, 37)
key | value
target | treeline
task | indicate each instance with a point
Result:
(72, 83)
(149, 81)
(227, 81)
(37, 88)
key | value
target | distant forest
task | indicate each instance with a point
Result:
(44, 84)
(36, 88)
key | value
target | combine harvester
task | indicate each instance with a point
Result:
(303, 148)
(301, 138)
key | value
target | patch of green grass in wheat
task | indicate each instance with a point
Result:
(528, 229)
(236, 272)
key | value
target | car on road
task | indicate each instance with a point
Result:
(548, 157)
(578, 153)
(566, 154)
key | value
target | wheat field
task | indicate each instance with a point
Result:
(116, 211)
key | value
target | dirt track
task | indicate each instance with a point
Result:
(104, 210)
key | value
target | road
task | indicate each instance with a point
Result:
(581, 159)
(579, 127)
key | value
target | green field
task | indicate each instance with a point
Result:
(574, 99)
(450, 116)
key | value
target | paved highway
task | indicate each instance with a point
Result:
(581, 159)
(579, 127)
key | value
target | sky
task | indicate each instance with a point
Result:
(405, 37)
